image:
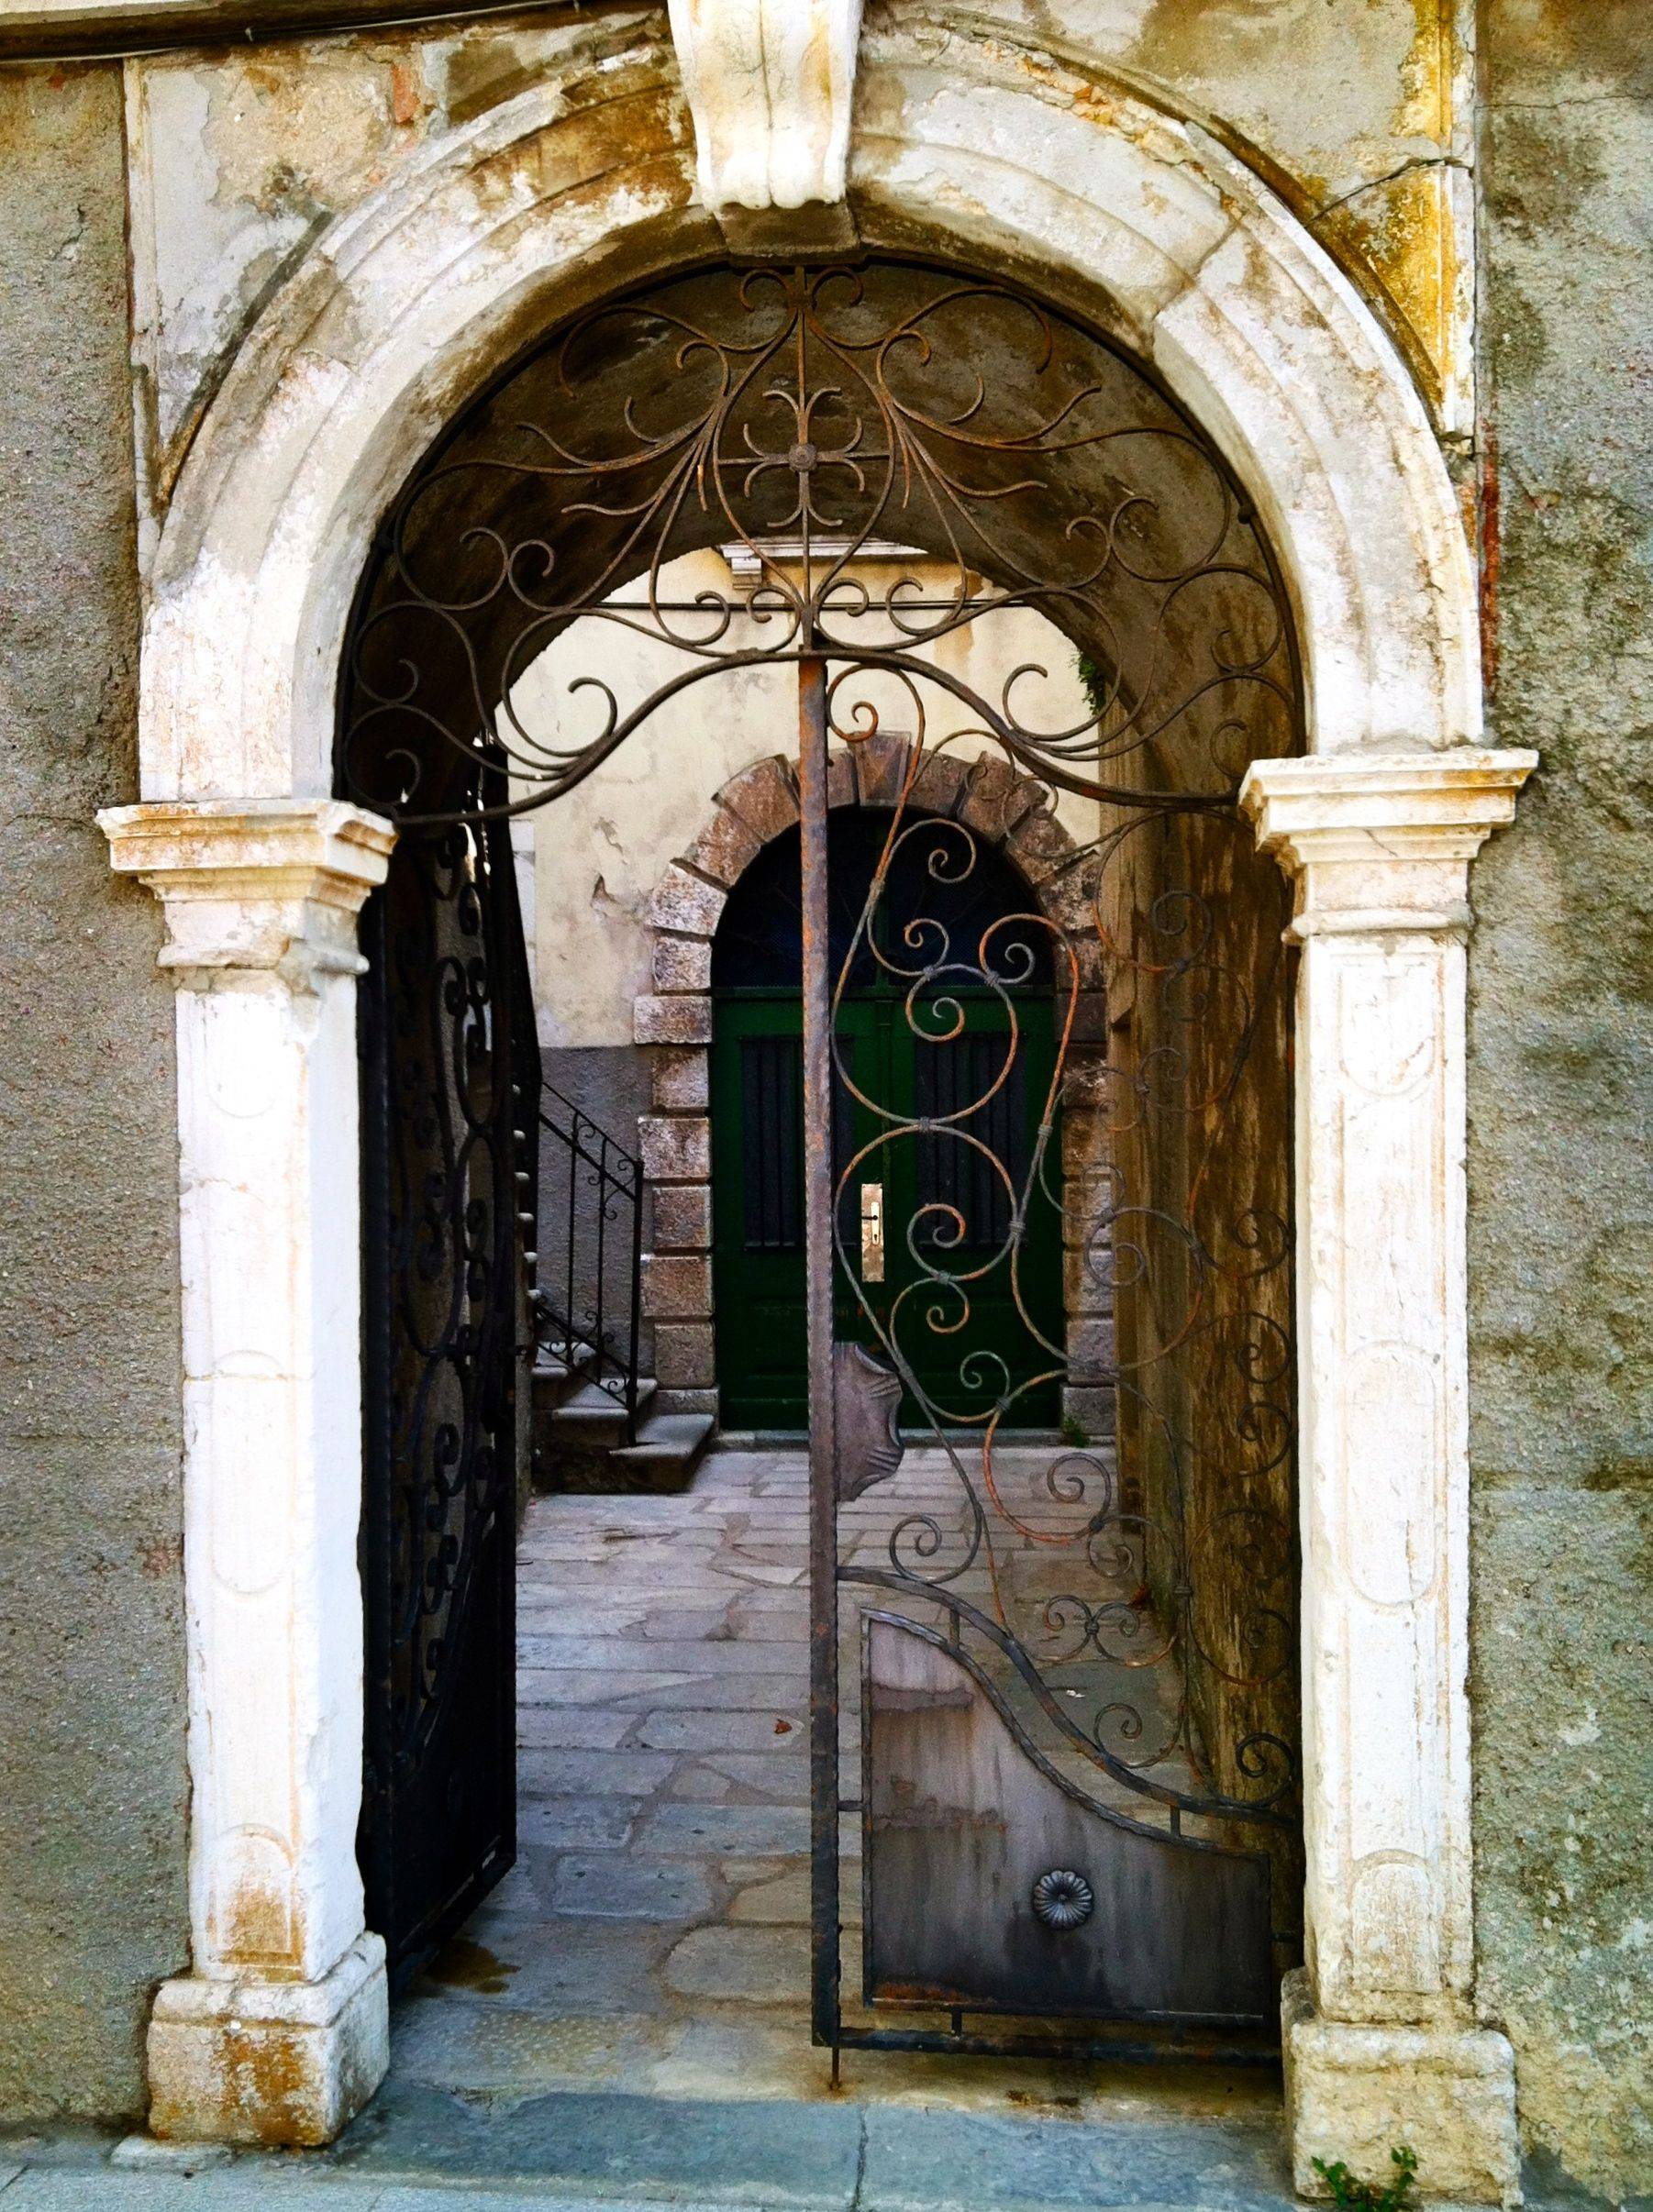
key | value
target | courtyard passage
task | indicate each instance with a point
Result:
(654, 1933)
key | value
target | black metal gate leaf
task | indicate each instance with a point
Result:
(444, 1013)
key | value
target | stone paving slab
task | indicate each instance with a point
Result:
(590, 1823)
(936, 2161)
(753, 1831)
(616, 1655)
(775, 2156)
(638, 1694)
(43, 2190)
(420, 2150)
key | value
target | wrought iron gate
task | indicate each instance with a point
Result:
(1052, 1696)
(450, 1096)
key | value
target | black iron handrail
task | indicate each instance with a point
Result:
(588, 1304)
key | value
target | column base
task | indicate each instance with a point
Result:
(1355, 2093)
(249, 2061)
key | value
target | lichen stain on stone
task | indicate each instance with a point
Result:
(269, 2085)
(1394, 235)
(483, 67)
(584, 149)
(257, 1921)
(1426, 105)
(1399, 232)
(484, 73)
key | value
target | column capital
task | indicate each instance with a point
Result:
(261, 885)
(1380, 843)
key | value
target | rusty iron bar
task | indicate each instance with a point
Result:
(823, 1442)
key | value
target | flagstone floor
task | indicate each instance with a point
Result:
(653, 1937)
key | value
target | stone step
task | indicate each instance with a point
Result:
(668, 1450)
(591, 1415)
(555, 1378)
(580, 1448)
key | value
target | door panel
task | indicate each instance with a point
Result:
(926, 1183)
(757, 1203)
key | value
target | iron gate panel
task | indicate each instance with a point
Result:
(963, 1820)
(447, 1091)
(1117, 1607)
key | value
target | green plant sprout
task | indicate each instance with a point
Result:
(1093, 683)
(1355, 2195)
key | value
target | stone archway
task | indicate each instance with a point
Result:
(974, 147)
(1002, 810)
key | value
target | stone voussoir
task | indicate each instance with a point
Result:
(764, 797)
(880, 767)
(686, 904)
(725, 850)
(677, 1149)
(680, 1019)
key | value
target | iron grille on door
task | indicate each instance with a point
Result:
(773, 1184)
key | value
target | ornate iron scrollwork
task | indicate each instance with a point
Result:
(1133, 1601)
(868, 1441)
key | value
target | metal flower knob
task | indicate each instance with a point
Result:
(1063, 1899)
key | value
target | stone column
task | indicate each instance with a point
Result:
(280, 2032)
(1381, 2042)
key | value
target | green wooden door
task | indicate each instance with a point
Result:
(958, 1292)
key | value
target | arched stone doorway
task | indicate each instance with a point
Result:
(1175, 244)
(806, 412)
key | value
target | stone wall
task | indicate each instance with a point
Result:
(1562, 1198)
(92, 1775)
(1198, 992)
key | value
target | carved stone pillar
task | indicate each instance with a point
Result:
(280, 2032)
(1382, 2045)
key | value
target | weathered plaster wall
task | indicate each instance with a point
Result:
(241, 161)
(1367, 130)
(1561, 1197)
(91, 1780)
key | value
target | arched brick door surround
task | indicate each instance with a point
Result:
(674, 1020)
